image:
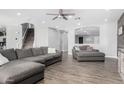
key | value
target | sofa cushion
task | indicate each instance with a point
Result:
(89, 54)
(42, 58)
(37, 51)
(91, 59)
(55, 54)
(47, 56)
(45, 50)
(84, 47)
(35, 59)
(10, 54)
(14, 72)
(89, 48)
(23, 53)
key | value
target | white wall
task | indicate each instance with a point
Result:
(53, 39)
(41, 36)
(71, 40)
(13, 32)
(108, 39)
(107, 42)
(65, 41)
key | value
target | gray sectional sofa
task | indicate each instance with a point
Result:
(26, 65)
(86, 53)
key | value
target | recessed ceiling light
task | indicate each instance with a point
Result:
(18, 13)
(106, 20)
(57, 26)
(43, 22)
(79, 24)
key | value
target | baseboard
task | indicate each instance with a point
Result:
(64, 51)
(112, 57)
(69, 53)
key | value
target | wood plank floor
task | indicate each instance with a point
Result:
(69, 71)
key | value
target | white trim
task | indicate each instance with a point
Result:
(70, 53)
(122, 76)
(64, 51)
(112, 57)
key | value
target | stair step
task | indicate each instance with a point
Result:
(28, 43)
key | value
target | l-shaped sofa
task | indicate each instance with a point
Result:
(26, 66)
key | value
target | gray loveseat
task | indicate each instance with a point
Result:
(86, 53)
(26, 65)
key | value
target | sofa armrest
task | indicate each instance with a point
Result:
(58, 51)
(74, 53)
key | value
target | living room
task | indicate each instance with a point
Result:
(61, 46)
(61, 33)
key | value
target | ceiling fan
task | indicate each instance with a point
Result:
(61, 15)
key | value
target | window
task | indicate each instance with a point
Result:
(87, 35)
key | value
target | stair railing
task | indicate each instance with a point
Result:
(24, 36)
(21, 41)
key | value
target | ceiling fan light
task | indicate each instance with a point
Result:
(106, 20)
(70, 16)
(59, 16)
(43, 22)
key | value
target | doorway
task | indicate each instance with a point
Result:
(58, 39)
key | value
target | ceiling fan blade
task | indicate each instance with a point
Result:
(52, 28)
(51, 14)
(65, 18)
(69, 14)
(55, 18)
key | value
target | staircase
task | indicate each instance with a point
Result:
(29, 38)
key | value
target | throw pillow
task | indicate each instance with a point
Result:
(89, 48)
(51, 50)
(77, 48)
(44, 50)
(3, 59)
(10, 54)
(37, 51)
(84, 47)
(23, 53)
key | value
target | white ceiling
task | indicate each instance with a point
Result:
(88, 16)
